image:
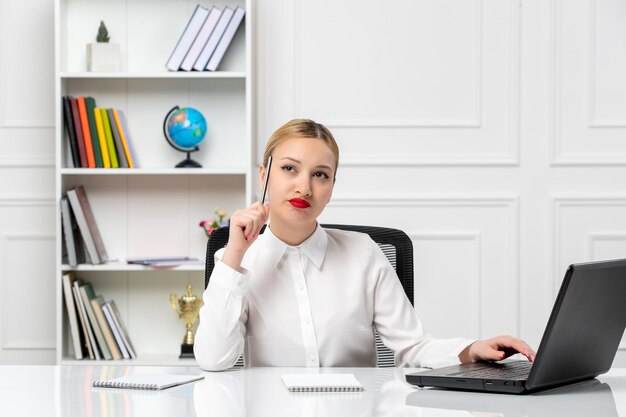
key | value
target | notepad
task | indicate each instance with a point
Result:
(322, 383)
(146, 381)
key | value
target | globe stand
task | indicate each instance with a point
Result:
(187, 162)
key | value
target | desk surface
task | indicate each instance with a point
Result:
(64, 391)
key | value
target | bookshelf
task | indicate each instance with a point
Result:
(153, 210)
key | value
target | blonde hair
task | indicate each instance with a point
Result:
(301, 128)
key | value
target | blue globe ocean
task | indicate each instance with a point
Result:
(186, 127)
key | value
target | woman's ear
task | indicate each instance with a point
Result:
(261, 176)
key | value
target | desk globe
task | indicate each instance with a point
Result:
(184, 129)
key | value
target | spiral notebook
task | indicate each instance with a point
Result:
(146, 381)
(322, 383)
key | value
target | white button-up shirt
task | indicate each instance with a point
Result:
(316, 304)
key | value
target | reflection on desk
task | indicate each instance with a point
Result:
(66, 391)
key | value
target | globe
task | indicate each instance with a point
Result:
(184, 129)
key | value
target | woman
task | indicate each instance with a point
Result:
(300, 295)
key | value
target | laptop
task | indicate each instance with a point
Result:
(580, 341)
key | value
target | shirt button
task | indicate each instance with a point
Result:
(313, 358)
(307, 321)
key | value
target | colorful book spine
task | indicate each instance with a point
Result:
(121, 157)
(71, 134)
(79, 133)
(90, 104)
(109, 136)
(120, 130)
(84, 122)
(106, 162)
(128, 137)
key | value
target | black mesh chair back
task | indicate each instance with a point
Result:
(394, 243)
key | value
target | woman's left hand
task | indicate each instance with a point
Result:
(496, 349)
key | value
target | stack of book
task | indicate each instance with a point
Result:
(96, 325)
(205, 39)
(83, 242)
(98, 137)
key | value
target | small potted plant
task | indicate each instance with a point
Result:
(102, 55)
(220, 220)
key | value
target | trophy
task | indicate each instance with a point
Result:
(187, 307)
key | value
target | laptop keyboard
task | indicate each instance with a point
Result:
(513, 370)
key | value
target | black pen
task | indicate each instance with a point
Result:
(267, 177)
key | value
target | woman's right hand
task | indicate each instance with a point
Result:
(245, 226)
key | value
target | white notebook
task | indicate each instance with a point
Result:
(322, 383)
(146, 381)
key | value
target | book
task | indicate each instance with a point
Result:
(109, 136)
(102, 139)
(90, 104)
(96, 304)
(146, 381)
(71, 235)
(186, 39)
(71, 134)
(129, 140)
(321, 383)
(120, 131)
(108, 315)
(226, 38)
(201, 39)
(84, 123)
(80, 142)
(117, 318)
(85, 231)
(72, 315)
(87, 294)
(121, 157)
(214, 39)
(90, 340)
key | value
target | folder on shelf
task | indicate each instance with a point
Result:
(90, 339)
(87, 225)
(84, 123)
(71, 235)
(87, 294)
(71, 134)
(72, 315)
(214, 39)
(127, 138)
(80, 142)
(107, 333)
(225, 40)
(123, 141)
(109, 136)
(90, 104)
(119, 331)
(186, 39)
(121, 156)
(201, 39)
(102, 139)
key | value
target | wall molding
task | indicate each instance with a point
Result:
(26, 161)
(6, 343)
(558, 157)
(512, 136)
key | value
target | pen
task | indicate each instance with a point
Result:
(267, 177)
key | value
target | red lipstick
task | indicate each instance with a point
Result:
(299, 203)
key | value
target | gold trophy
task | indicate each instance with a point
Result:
(187, 307)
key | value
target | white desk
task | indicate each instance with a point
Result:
(66, 391)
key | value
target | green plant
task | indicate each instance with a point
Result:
(103, 33)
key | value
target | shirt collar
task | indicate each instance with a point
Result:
(314, 247)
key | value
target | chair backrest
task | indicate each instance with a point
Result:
(394, 243)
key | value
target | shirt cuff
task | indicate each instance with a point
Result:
(226, 278)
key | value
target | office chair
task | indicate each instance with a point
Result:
(394, 243)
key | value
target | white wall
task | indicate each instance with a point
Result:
(491, 131)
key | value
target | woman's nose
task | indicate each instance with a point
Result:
(304, 185)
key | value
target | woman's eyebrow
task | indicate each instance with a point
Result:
(299, 162)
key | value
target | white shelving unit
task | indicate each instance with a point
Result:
(153, 210)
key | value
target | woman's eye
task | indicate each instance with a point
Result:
(288, 168)
(322, 175)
